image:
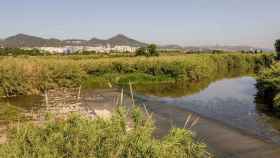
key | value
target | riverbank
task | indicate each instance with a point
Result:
(127, 132)
(268, 84)
(26, 75)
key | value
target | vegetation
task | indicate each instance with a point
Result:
(269, 86)
(150, 50)
(277, 48)
(24, 75)
(18, 51)
(79, 137)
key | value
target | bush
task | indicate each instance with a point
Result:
(79, 137)
(277, 48)
(268, 84)
(150, 50)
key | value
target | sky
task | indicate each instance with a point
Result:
(183, 22)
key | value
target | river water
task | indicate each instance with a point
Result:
(229, 101)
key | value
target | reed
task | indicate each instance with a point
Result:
(25, 75)
(80, 137)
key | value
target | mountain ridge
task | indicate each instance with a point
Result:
(24, 40)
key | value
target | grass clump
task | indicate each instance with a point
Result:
(78, 137)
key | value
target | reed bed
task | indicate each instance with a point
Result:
(80, 137)
(25, 75)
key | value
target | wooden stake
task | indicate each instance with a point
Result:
(131, 93)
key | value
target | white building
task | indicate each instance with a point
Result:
(53, 49)
(98, 49)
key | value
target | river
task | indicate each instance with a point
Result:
(232, 122)
(230, 114)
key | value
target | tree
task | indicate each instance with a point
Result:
(277, 48)
(142, 51)
(152, 50)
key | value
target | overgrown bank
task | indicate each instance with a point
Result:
(268, 84)
(79, 137)
(32, 75)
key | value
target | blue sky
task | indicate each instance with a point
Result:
(184, 22)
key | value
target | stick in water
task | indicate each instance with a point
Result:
(194, 122)
(46, 98)
(79, 93)
(122, 97)
(131, 93)
(187, 120)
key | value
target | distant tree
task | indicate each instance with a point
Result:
(277, 48)
(152, 50)
(142, 51)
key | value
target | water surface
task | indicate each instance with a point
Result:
(229, 101)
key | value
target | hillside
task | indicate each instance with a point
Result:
(23, 40)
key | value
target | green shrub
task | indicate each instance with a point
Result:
(277, 48)
(79, 137)
(276, 102)
(150, 50)
(268, 84)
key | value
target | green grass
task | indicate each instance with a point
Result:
(79, 137)
(26, 75)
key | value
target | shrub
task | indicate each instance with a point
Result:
(277, 48)
(79, 137)
(150, 50)
(276, 102)
(268, 84)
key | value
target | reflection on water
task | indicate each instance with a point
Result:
(231, 101)
(26, 102)
(184, 88)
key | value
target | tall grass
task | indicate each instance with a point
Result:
(32, 75)
(79, 137)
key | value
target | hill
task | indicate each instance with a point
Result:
(23, 40)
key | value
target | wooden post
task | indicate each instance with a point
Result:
(131, 93)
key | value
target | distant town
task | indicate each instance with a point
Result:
(73, 49)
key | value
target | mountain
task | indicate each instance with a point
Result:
(224, 48)
(96, 42)
(171, 46)
(23, 40)
(123, 40)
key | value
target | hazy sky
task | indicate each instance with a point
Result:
(184, 22)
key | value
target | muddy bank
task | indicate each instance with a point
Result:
(60, 103)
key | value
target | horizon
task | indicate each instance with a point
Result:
(219, 45)
(184, 23)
